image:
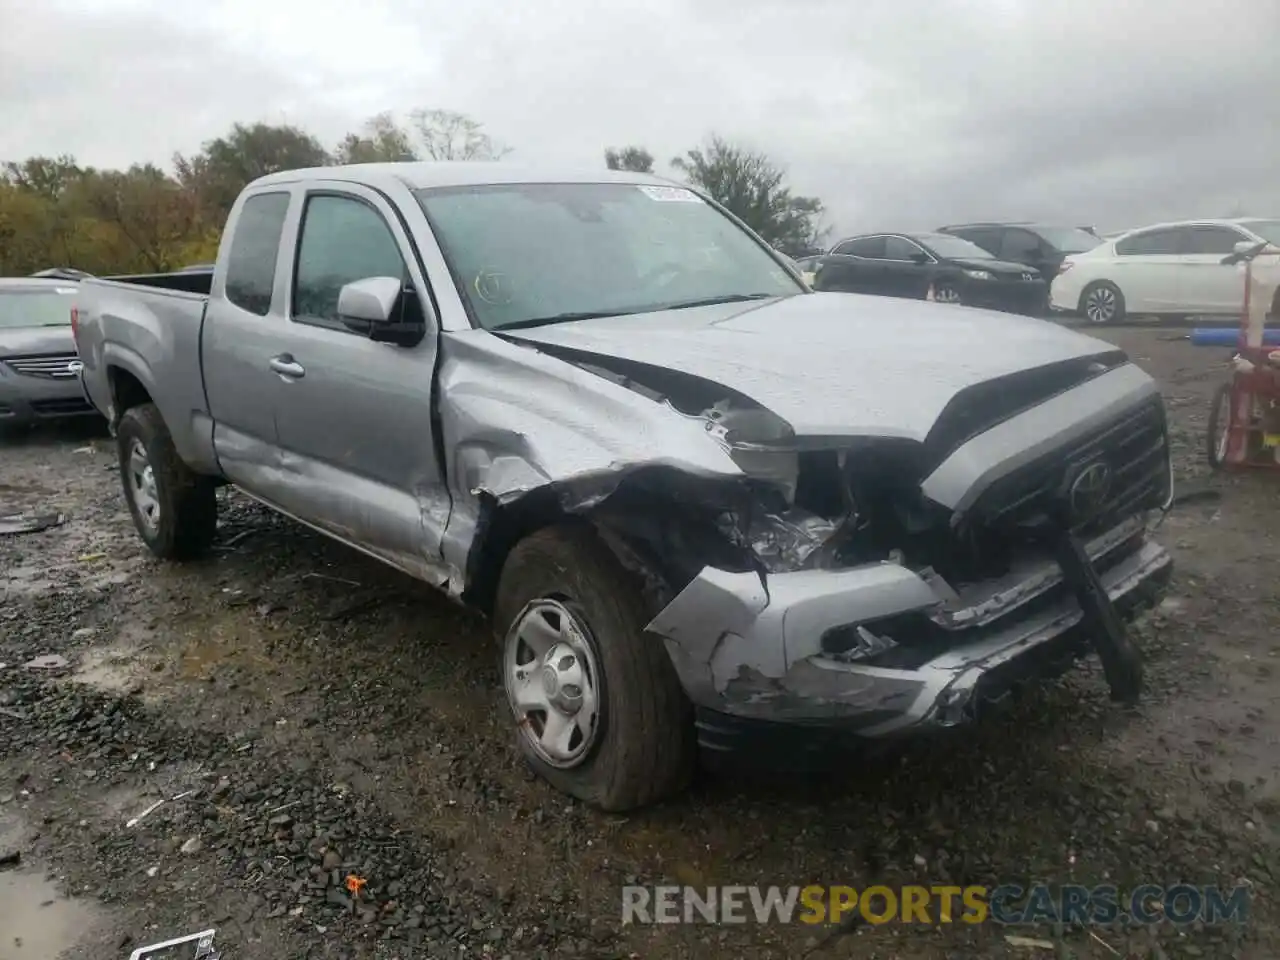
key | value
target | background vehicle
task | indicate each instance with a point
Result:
(1166, 270)
(1042, 247)
(909, 264)
(702, 504)
(37, 352)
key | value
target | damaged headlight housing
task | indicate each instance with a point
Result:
(759, 442)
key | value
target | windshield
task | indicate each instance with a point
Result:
(1268, 230)
(1069, 239)
(528, 252)
(953, 248)
(30, 307)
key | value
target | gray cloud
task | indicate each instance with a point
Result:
(895, 114)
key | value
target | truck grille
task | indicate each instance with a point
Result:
(54, 366)
(1134, 447)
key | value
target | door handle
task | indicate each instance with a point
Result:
(286, 366)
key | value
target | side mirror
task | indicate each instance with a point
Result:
(921, 258)
(1244, 250)
(374, 307)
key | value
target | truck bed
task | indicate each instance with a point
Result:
(146, 329)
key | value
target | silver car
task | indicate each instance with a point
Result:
(38, 359)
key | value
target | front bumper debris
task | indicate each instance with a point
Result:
(748, 649)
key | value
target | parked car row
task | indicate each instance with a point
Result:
(1164, 270)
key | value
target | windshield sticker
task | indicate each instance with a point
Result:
(671, 194)
(66, 290)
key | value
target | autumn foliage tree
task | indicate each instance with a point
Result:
(56, 212)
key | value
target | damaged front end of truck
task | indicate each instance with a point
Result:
(877, 584)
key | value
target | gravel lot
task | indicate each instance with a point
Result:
(325, 716)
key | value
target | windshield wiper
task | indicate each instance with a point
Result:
(562, 318)
(712, 301)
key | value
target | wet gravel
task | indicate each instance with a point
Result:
(347, 787)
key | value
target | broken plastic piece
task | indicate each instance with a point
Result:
(30, 523)
(50, 661)
(202, 943)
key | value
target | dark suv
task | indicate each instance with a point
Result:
(1038, 245)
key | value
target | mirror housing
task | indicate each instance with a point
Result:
(920, 258)
(374, 307)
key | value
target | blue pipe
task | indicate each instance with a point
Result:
(1228, 337)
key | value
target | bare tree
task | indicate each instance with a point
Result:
(447, 135)
(380, 140)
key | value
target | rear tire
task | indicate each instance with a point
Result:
(174, 509)
(1101, 302)
(639, 746)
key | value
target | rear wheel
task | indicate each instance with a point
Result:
(1218, 434)
(946, 292)
(1102, 303)
(175, 510)
(599, 711)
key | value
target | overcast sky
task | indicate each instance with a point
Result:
(896, 114)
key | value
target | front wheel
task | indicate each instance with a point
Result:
(175, 510)
(599, 711)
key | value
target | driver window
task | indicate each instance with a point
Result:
(342, 240)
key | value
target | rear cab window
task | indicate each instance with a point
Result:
(255, 246)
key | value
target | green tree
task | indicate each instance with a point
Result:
(633, 158)
(380, 140)
(754, 189)
(218, 173)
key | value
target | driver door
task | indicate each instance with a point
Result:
(355, 416)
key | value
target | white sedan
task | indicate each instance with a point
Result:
(1168, 269)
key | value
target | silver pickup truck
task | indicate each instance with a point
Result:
(703, 505)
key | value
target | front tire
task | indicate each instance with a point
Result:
(599, 711)
(174, 509)
(1101, 303)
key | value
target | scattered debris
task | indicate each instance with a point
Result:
(203, 941)
(156, 806)
(50, 661)
(24, 523)
(91, 557)
(9, 859)
(1030, 942)
(192, 846)
(325, 576)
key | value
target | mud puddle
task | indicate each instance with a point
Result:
(36, 922)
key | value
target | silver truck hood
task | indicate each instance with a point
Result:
(831, 364)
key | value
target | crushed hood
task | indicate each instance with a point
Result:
(831, 364)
